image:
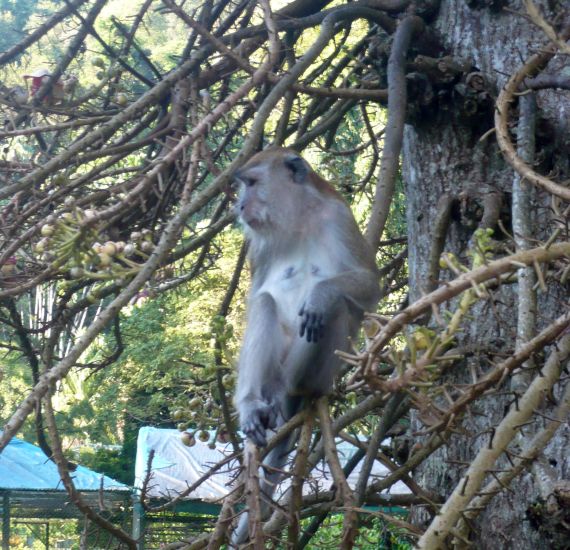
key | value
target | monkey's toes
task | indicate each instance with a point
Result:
(256, 433)
(256, 424)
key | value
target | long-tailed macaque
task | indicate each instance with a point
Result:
(313, 277)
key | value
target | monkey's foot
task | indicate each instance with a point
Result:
(257, 419)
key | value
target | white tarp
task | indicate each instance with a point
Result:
(174, 467)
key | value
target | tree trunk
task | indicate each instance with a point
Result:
(443, 157)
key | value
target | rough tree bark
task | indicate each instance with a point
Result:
(443, 156)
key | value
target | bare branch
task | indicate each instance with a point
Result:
(455, 287)
(438, 531)
(533, 65)
(407, 29)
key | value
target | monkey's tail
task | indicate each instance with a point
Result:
(271, 476)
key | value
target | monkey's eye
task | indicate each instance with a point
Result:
(246, 181)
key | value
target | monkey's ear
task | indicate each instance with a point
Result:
(298, 166)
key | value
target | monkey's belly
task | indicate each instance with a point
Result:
(290, 298)
(290, 287)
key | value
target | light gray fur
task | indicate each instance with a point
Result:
(310, 264)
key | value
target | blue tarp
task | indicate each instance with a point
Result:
(24, 466)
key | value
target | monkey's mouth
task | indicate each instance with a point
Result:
(254, 222)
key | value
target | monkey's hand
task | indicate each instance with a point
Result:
(312, 322)
(257, 416)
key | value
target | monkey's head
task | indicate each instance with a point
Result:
(278, 189)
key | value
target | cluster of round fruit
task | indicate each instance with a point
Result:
(105, 73)
(195, 415)
(188, 438)
(73, 246)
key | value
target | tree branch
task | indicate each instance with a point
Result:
(438, 531)
(534, 64)
(411, 26)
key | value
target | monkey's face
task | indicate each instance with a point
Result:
(254, 197)
(273, 190)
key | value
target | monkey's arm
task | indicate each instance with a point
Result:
(259, 386)
(358, 288)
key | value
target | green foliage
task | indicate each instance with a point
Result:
(33, 535)
(168, 360)
(15, 17)
(374, 534)
(16, 379)
(111, 462)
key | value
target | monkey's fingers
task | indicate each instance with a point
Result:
(312, 326)
(317, 331)
(303, 327)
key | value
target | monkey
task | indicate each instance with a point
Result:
(313, 277)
